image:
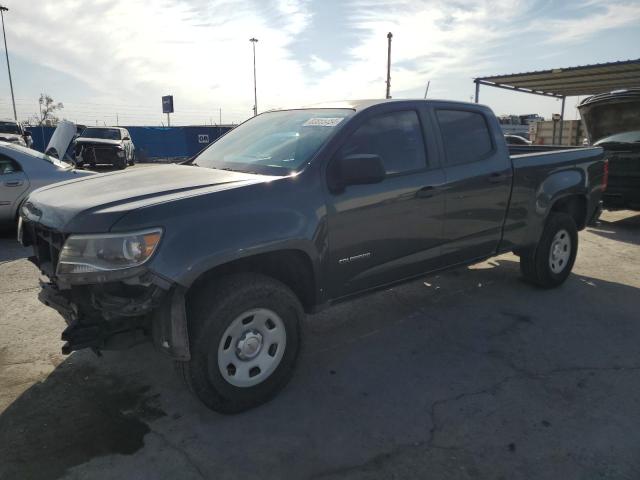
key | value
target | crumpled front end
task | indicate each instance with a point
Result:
(109, 311)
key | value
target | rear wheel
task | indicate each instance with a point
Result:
(245, 337)
(549, 263)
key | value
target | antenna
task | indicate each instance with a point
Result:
(427, 90)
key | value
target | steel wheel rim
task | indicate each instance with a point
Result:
(560, 251)
(252, 347)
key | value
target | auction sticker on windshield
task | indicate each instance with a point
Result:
(322, 122)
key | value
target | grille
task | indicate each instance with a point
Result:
(47, 245)
(94, 154)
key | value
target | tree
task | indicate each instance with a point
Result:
(48, 108)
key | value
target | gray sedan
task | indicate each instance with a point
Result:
(22, 170)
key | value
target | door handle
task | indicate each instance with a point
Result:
(426, 192)
(13, 183)
(497, 177)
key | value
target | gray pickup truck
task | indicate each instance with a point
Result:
(217, 260)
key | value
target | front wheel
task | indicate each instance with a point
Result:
(549, 263)
(245, 337)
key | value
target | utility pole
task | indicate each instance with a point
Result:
(13, 100)
(253, 41)
(389, 37)
(427, 90)
(220, 123)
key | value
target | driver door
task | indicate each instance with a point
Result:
(384, 232)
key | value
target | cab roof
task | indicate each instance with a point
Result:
(366, 103)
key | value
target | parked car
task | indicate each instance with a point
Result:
(516, 140)
(23, 170)
(293, 211)
(612, 121)
(105, 145)
(12, 132)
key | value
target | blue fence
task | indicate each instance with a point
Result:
(153, 143)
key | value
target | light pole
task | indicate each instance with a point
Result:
(255, 88)
(389, 37)
(13, 100)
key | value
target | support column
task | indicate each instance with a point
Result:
(477, 90)
(561, 119)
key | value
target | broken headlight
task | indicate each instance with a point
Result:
(83, 254)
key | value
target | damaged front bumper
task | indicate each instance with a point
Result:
(133, 306)
(115, 316)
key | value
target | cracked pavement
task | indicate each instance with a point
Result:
(466, 374)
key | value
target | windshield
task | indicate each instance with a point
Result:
(105, 133)
(8, 127)
(274, 143)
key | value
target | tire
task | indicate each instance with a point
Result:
(549, 263)
(132, 161)
(121, 164)
(225, 316)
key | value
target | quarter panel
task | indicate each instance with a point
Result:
(539, 181)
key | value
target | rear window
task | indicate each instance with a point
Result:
(465, 135)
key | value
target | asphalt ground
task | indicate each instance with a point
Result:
(468, 374)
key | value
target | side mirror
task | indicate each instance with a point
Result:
(356, 169)
(27, 133)
(126, 138)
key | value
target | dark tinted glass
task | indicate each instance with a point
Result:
(9, 127)
(465, 136)
(103, 133)
(395, 137)
(7, 165)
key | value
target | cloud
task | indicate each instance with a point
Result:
(604, 15)
(317, 64)
(130, 52)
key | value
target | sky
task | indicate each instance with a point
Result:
(110, 61)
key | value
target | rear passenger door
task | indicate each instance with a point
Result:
(478, 182)
(383, 232)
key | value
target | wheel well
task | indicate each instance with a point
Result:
(575, 206)
(291, 267)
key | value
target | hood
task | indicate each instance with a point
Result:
(611, 113)
(11, 137)
(61, 138)
(102, 141)
(109, 196)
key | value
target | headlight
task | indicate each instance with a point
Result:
(83, 254)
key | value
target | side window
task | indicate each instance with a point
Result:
(8, 165)
(396, 137)
(465, 136)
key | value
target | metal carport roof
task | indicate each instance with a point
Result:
(572, 81)
(568, 82)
